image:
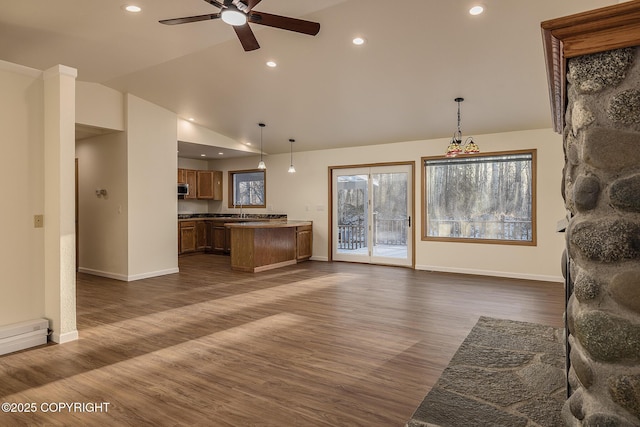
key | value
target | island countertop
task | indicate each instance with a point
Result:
(268, 224)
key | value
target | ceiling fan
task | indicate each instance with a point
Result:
(239, 13)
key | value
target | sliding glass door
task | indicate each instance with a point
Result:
(372, 210)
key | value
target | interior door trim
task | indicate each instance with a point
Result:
(412, 164)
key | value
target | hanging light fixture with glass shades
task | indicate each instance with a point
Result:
(261, 165)
(455, 146)
(291, 168)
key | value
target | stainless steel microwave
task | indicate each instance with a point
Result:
(183, 189)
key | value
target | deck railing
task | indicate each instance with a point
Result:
(520, 230)
(351, 236)
(391, 232)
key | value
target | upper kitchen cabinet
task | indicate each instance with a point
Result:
(203, 184)
(210, 185)
(188, 176)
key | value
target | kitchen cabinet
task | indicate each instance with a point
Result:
(260, 246)
(220, 237)
(218, 243)
(304, 242)
(202, 235)
(188, 176)
(194, 236)
(209, 185)
(187, 237)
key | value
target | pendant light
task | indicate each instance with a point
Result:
(261, 165)
(455, 146)
(291, 168)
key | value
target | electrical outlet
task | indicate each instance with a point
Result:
(38, 221)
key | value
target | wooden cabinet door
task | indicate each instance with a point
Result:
(205, 185)
(219, 240)
(182, 176)
(187, 237)
(191, 179)
(201, 235)
(217, 185)
(304, 242)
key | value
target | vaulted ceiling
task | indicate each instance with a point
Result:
(325, 92)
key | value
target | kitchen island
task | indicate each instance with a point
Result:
(260, 246)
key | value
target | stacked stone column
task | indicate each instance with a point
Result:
(601, 188)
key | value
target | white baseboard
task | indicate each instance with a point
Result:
(153, 274)
(510, 275)
(100, 273)
(319, 258)
(63, 338)
(126, 278)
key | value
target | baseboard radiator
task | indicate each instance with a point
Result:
(19, 336)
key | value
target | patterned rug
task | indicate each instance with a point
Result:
(505, 373)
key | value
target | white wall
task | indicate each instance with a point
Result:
(102, 220)
(304, 195)
(21, 164)
(193, 133)
(99, 106)
(59, 202)
(152, 201)
(130, 233)
(37, 118)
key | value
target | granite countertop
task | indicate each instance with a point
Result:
(231, 217)
(268, 224)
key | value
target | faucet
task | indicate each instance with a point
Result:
(241, 213)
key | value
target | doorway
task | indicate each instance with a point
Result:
(372, 214)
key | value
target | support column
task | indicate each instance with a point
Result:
(59, 202)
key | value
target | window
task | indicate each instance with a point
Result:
(487, 198)
(247, 188)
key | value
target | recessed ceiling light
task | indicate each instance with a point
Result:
(476, 10)
(248, 143)
(203, 155)
(191, 119)
(221, 153)
(358, 41)
(132, 8)
(272, 64)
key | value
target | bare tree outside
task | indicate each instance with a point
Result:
(480, 197)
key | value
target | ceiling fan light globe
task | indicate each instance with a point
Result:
(233, 17)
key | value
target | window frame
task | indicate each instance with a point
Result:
(231, 188)
(423, 207)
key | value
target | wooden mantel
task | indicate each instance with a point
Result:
(599, 30)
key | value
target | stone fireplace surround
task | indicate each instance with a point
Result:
(593, 62)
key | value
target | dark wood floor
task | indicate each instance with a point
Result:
(316, 344)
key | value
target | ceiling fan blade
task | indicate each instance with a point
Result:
(252, 3)
(188, 19)
(246, 37)
(285, 23)
(215, 3)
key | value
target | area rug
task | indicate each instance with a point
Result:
(505, 373)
